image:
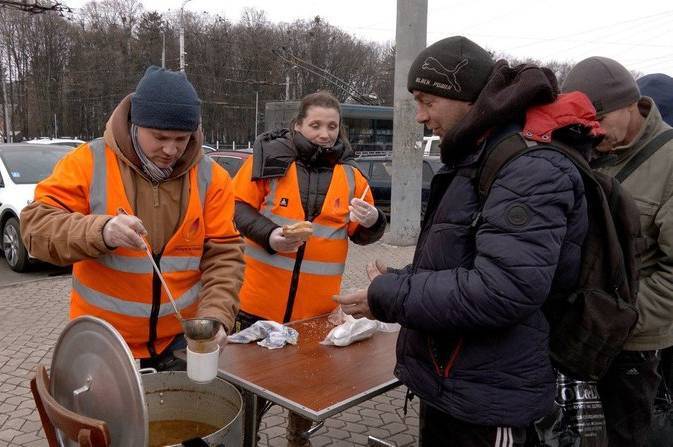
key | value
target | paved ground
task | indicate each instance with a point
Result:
(36, 270)
(34, 313)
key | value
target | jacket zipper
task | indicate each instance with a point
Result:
(156, 304)
(444, 370)
(296, 271)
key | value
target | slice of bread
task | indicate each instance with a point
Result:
(298, 231)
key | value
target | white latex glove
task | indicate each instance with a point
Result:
(363, 213)
(124, 231)
(283, 244)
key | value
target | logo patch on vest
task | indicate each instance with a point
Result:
(337, 203)
(284, 201)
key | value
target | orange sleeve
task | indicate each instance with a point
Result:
(68, 185)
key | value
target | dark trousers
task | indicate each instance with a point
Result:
(438, 429)
(627, 393)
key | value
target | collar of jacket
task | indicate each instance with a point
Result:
(649, 129)
(118, 136)
(508, 93)
(275, 150)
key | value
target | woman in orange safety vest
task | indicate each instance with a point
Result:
(304, 173)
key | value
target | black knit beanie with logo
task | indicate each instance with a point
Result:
(454, 68)
(165, 99)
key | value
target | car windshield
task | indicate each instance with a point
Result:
(31, 165)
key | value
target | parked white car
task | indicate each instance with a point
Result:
(72, 142)
(22, 166)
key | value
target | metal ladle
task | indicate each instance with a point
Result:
(194, 328)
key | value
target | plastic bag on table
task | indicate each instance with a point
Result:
(351, 330)
(273, 335)
(577, 419)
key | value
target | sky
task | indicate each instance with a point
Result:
(637, 34)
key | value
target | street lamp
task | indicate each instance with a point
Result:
(182, 35)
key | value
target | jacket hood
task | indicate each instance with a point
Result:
(570, 109)
(659, 87)
(507, 95)
(117, 135)
(275, 150)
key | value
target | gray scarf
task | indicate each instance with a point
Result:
(154, 172)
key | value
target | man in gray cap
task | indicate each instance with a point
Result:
(638, 152)
(146, 183)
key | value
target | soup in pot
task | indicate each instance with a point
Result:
(173, 432)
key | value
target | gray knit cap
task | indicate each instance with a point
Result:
(607, 83)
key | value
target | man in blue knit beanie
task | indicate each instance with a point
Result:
(146, 183)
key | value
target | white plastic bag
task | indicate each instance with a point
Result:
(274, 335)
(351, 330)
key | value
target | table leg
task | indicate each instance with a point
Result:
(249, 419)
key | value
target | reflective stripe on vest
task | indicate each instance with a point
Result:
(204, 176)
(131, 308)
(350, 178)
(129, 264)
(285, 263)
(98, 191)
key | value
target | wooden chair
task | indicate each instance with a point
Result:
(86, 431)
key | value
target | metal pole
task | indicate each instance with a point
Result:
(163, 50)
(287, 87)
(410, 39)
(182, 35)
(256, 111)
(7, 110)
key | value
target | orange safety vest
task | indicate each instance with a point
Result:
(293, 286)
(121, 287)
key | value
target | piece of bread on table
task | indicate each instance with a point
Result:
(300, 230)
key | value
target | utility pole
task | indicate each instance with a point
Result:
(163, 49)
(256, 111)
(410, 39)
(182, 35)
(7, 111)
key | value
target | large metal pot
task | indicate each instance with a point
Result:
(93, 374)
(172, 396)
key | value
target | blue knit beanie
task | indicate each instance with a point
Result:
(659, 87)
(166, 100)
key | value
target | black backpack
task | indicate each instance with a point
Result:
(588, 327)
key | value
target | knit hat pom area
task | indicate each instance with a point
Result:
(454, 68)
(166, 100)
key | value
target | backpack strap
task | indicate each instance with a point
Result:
(514, 146)
(650, 148)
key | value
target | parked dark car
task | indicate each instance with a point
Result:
(230, 160)
(379, 170)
